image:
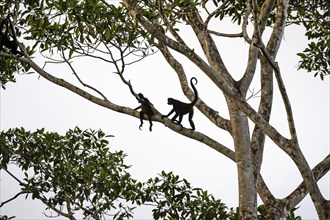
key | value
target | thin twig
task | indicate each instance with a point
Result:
(253, 95)
(14, 197)
(76, 75)
(12, 175)
(60, 212)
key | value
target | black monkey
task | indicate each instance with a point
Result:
(12, 45)
(181, 108)
(146, 108)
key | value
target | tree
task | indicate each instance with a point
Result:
(121, 34)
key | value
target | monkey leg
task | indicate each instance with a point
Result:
(192, 124)
(174, 117)
(141, 119)
(180, 119)
(177, 121)
(191, 114)
(150, 121)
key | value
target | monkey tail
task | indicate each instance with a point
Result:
(195, 90)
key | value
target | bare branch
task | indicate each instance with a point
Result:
(300, 192)
(253, 94)
(295, 154)
(282, 90)
(128, 83)
(12, 175)
(245, 22)
(82, 83)
(14, 197)
(225, 35)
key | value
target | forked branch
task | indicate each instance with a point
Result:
(78, 78)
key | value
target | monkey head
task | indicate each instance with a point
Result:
(170, 101)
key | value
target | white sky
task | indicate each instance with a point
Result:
(34, 103)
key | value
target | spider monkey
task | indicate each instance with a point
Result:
(146, 108)
(12, 45)
(181, 108)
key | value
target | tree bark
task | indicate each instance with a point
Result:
(244, 162)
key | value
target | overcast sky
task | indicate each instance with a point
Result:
(34, 103)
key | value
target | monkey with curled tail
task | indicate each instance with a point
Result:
(181, 108)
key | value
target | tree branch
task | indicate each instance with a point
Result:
(300, 192)
(225, 35)
(210, 48)
(82, 83)
(295, 154)
(245, 21)
(14, 197)
(186, 51)
(67, 215)
(107, 104)
(167, 23)
(259, 22)
(77, 90)
(12, 175)
(212, 14)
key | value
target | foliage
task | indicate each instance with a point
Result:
(77, 171)
(315, 17)
(88, 27)
(176, 199)
(70, 24)
(292, 216)
(6, 73)
(8, 67)
(262, 214)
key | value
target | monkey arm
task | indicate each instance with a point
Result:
(169, 113)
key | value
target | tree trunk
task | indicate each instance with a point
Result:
(245, 165)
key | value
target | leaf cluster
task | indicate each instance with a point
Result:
(315, 17)
(74, 170)
(6, 73)
(176, 199)
(75, 24)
